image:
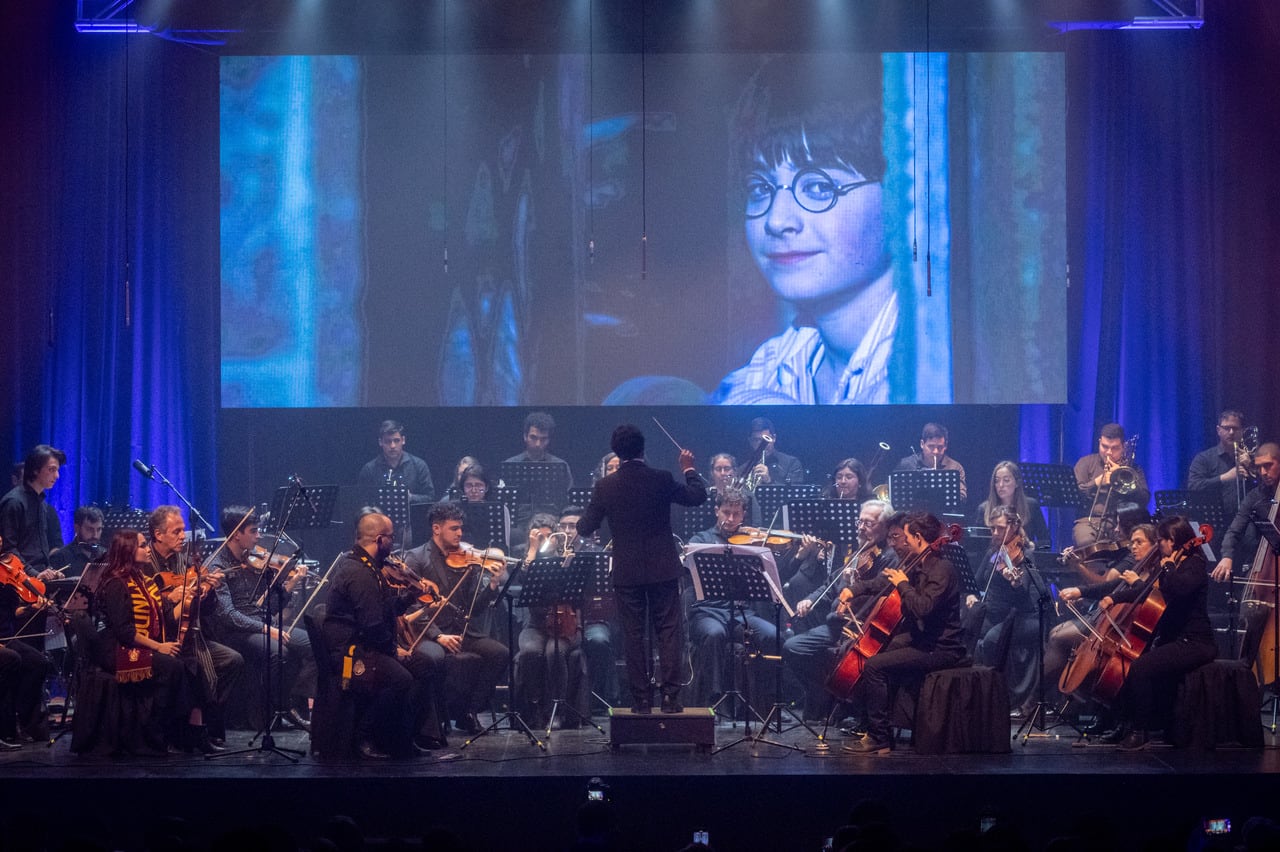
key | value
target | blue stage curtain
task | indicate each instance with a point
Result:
(111, 260)
(1171, 196)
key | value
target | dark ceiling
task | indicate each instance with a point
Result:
(374, 26)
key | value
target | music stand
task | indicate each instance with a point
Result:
(555, 580)
(955, 553)
(488, 520)
(540, 483)
(308, 508)
(393, 500)
(507, 495)
(115, 518)
(772, 498)
(1055, 486)
(688, 521)
(1194, 505)
(579, 496)
(835, 521)
(934, 491)
(741, 575)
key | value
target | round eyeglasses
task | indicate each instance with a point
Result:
(813, 189)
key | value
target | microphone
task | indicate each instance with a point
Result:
(311, 498)
(143, 468)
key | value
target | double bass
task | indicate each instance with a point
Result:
(1259, 603)
(879, 626)
(1101, 663)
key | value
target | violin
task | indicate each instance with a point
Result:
(257, 559)
(491, 559)
(756, 537)
(398, 575)
(13, 573)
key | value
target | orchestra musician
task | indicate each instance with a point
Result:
(1006, 490)
(550, 663)
(849, 481)
(1009, 593)
(934, 443)
(609, 463)
(1067, 636)
(1218, 471)
(1183, 638)
(394, 466)
(714, 624)
(1257, 506)
(454, 491)
(929, 636)
(765, 465)
(28, 524)
(1109, 504)
(243, 599)
(598, 618)
(538, 429)
(810, 654)
(139, 647)
(459, 639)
(214, 668)
(636, 501)
(360, 632)
(23, 669)
(72, 558)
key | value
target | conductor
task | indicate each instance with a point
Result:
(646, 564)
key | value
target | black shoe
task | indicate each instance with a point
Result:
(1113, 737)
(1136, 741)
(426, 745)
(868, 745)
(199, 740)
(671, 704)
(9, 745)
(641, 709)
(298, 719)
(371, 752)
(468, 724)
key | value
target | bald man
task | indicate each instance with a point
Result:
(362, 613)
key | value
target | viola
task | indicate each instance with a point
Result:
(257, 559)
(880, 624)
(13, 573)
(398, 575)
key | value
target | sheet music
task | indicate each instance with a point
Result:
(767, 561)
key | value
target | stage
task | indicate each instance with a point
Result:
(502, 792)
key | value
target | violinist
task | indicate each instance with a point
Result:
(459, 639)
(714, 624)
(23, 669)
(360, 632)
(71, 559)
(28, 524)
(1009, 593)
(1183, 639)
(810, 654)
(214, 668)
(929, 636)
(241, 602)
(1065, 637)
(550, 662)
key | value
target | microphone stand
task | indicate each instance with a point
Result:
(1038, 716)
(153, 473)
(271, 700)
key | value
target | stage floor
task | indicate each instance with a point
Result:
(504, 792)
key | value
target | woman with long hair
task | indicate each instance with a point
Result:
(849, 482)
(1006, 490)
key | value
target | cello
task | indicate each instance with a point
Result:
(1259, 603)
(1100, 665)
(879, 626)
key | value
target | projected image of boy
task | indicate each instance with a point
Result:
(809, 163)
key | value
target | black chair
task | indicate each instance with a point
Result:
(1217, 705)
(110, 717)
(333, 718)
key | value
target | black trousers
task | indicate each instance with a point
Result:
(898, 664)
(660, 602)
(472, 673)
(22, 673)
(1152, 684)
(401, 694)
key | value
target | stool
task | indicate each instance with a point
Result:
(963, 710)
(1218, 704)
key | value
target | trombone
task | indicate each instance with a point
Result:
(1243, 450)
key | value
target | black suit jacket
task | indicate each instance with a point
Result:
(637, 502)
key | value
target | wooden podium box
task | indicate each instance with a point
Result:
(694, 726)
